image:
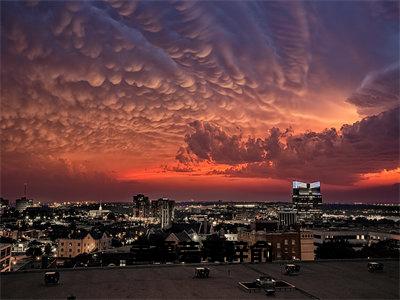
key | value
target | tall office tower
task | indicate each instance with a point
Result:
(306, 196)
(141, 206)
(163, 209)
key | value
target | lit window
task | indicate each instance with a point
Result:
(278, 245)
(286, 242)
(293, 242)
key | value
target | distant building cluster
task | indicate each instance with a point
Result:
(161, 209)
(144, 231)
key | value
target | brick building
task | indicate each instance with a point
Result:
(285, 245)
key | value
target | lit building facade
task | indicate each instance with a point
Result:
(306, 195)
(85, 243)
(164, 210)
(99, 213)
(307, 248)
(5, 257)
(285, 245)
(141, 206)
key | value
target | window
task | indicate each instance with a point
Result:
(79, 244)
(70, 250)
(70, 244)
(286, 242)
(122, 262)
(62, 249)
(62, 243)
(293, 242)
(278, 245)
(79, 250)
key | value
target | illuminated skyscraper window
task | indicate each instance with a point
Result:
(306, 195)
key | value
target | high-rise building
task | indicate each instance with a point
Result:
(163, 209)
(306, 196)
(23, 203)
(141, 206)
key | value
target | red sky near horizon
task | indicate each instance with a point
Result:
(199, 100)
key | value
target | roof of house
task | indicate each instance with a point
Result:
(182, 236)
(82, 233)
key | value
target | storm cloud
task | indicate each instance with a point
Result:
(336, 157)
(119, 86)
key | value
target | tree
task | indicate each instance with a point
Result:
(33, 252)
(116, 243)
(382, 249)
(111, 216)
(336, 250)
(47, 249)
(213, 248)
(229, 248)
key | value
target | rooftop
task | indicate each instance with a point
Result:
(325, 279)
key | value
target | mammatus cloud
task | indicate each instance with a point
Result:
(379, 91)
(115, 84)
(338, 157)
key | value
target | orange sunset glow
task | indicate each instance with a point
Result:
(199, 100)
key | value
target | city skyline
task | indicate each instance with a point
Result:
(199, 100)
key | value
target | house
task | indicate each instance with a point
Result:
(82, 242)
(177, 238)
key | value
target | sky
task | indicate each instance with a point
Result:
(199, 100)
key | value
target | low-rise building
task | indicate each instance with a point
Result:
(98, 213)
(19, 247)
(82, 242)
(283, 245)
(231, 237)
(307, 247)
(5, 257)
(356, 239)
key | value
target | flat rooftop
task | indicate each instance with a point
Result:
(324, 279)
